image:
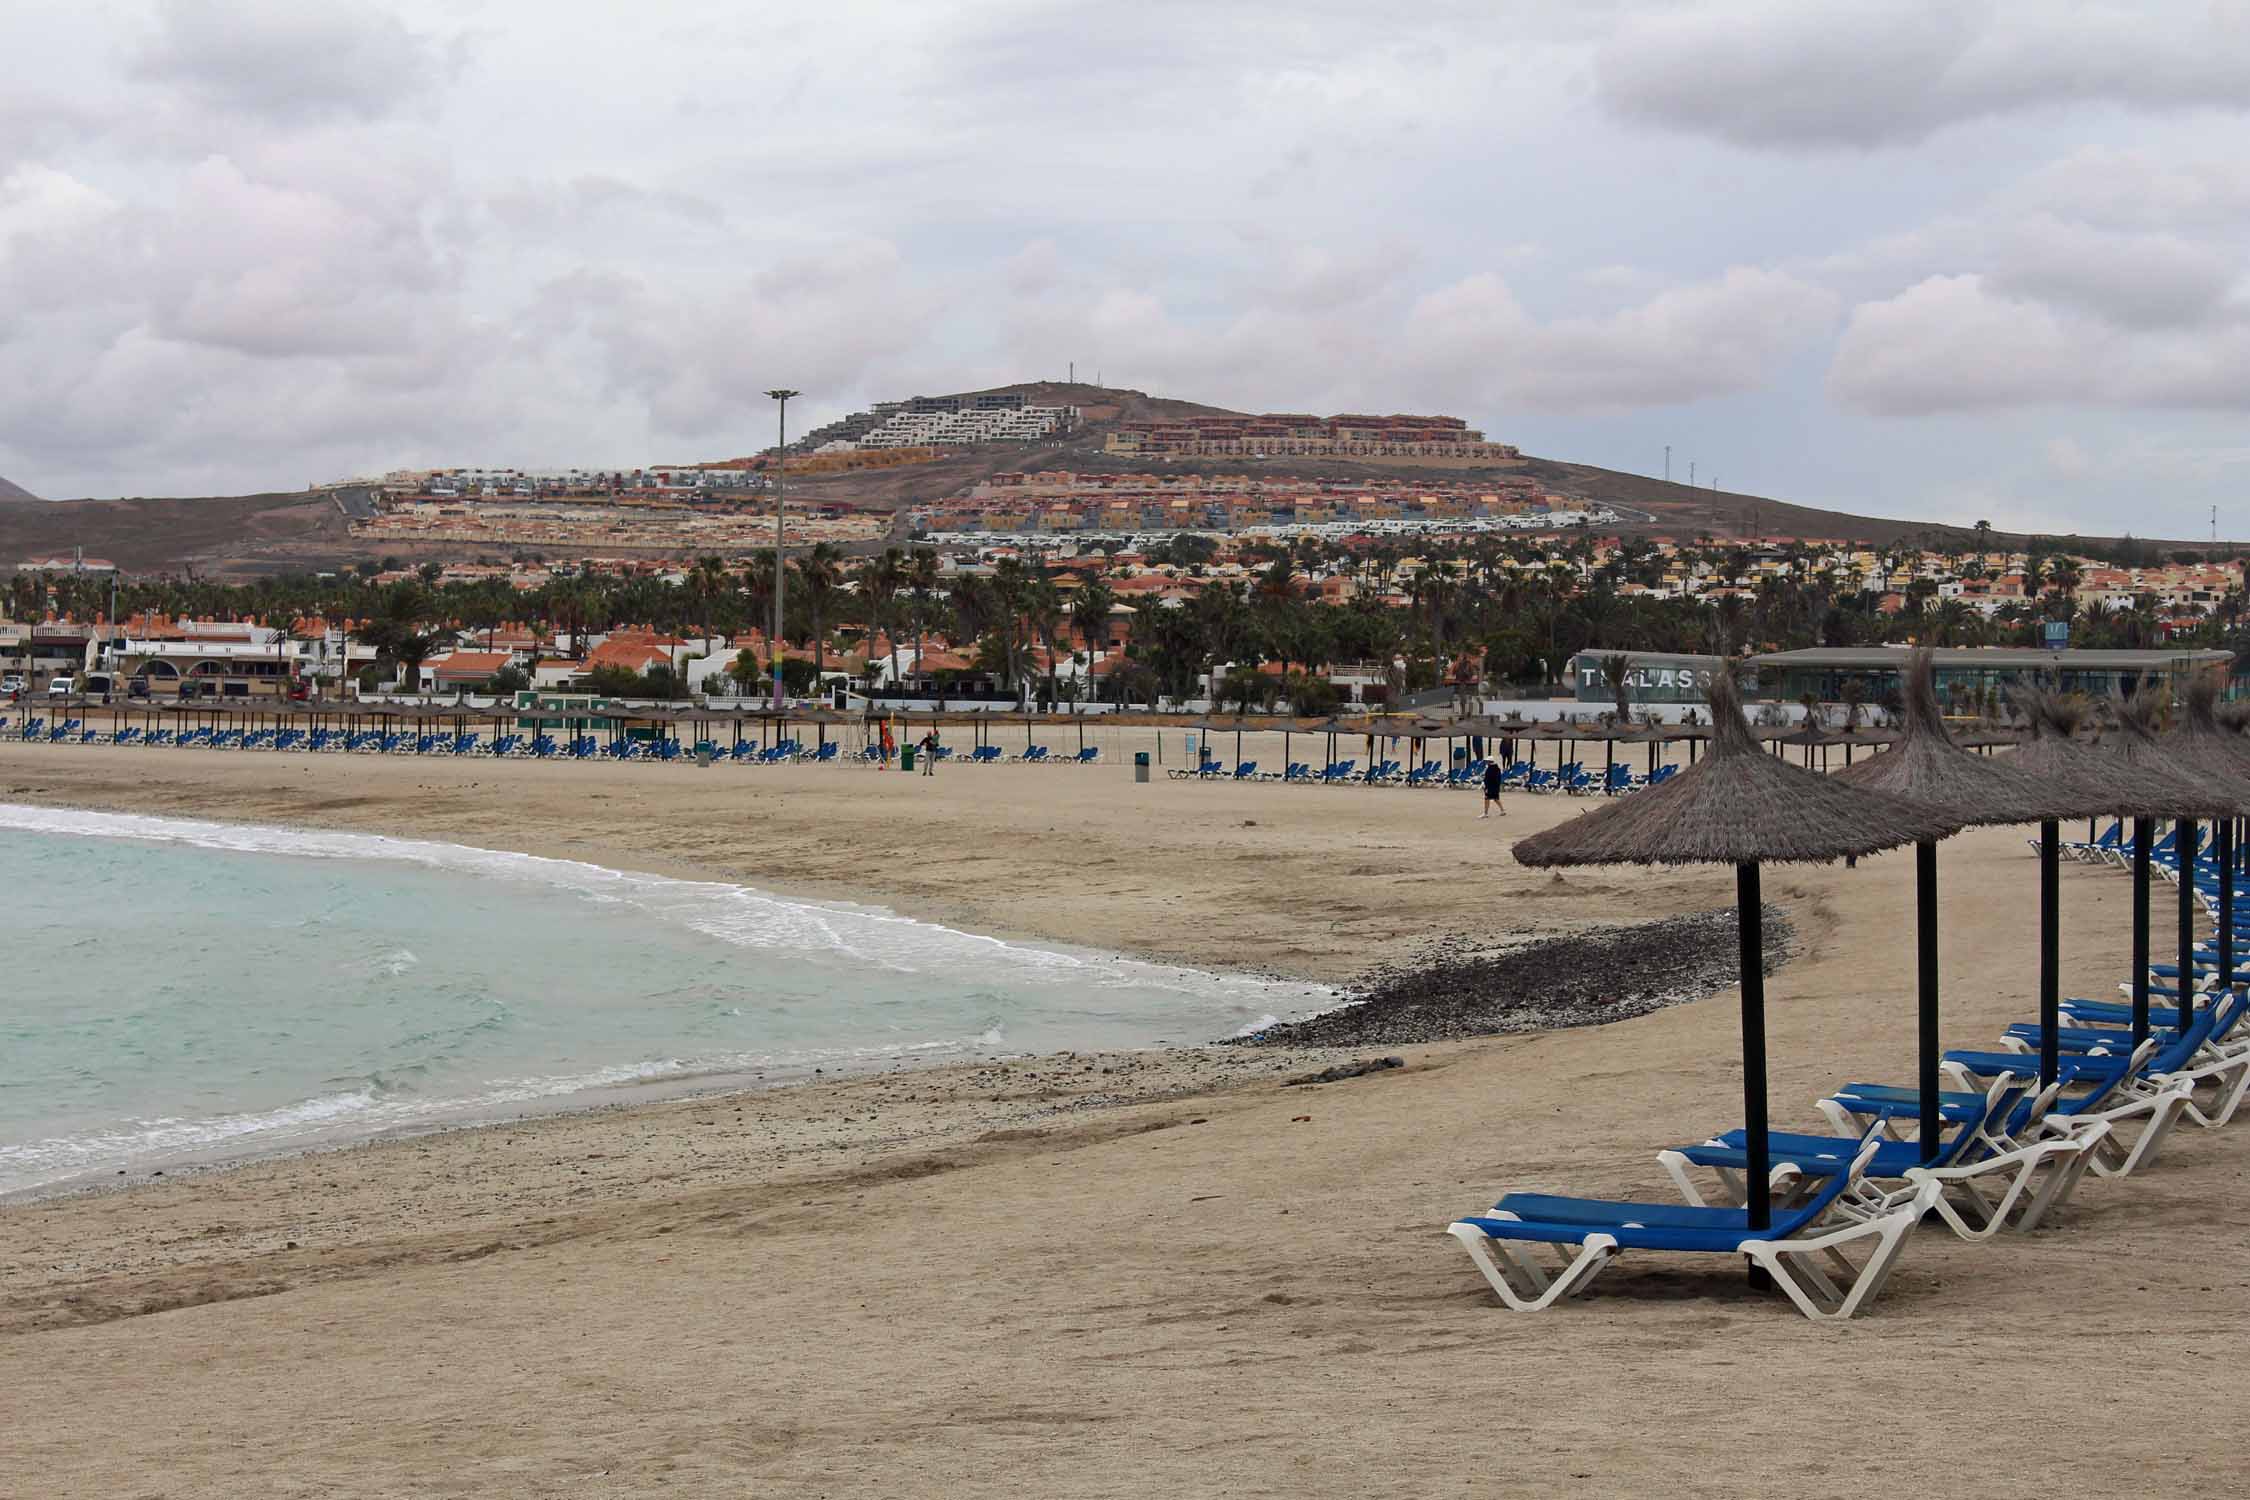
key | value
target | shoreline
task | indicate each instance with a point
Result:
(671, 1085)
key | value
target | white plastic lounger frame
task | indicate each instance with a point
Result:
(2032, 1179)
(1800, 1266)
(2155, 1110)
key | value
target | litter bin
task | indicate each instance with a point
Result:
(1140, 765)
(703, 755)
(906, 757)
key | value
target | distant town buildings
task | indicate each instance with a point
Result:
(588, 527)
(1296, 435)
(936, 421)
(1065, 503)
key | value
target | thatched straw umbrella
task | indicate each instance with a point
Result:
(1206, 727)
(2097, 782)
(1926, 767)
(1566, 730)
(1694, 736)
(1742, 807)
(2188, 795)
(2223, 757)
(1331, 726)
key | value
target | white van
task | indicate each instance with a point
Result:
(61, 687)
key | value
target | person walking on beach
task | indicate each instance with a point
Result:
(929, 753)
(1491, 791)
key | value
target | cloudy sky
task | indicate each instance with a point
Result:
(1958, 259)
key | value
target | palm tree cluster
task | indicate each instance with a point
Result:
(1484, 609)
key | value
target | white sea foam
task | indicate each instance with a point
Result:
(735, 914)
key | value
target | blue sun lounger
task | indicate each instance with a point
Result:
(2135, 1088)
(1804, 1258)
(2031, 1178)
(2219, 1060)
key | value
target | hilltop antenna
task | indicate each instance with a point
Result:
(1073, 372)
(1691, 473)
(1667, 463)
(2214, 526)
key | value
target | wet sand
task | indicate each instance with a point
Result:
(1178, 1277)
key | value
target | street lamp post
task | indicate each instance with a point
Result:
(780, 509)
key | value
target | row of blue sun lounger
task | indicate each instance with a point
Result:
(1844, 1202)
(1031, 755)
(1616, 780)
(540, 746)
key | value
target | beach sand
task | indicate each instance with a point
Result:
(1177, 1277)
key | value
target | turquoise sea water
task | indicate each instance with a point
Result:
(176, 991)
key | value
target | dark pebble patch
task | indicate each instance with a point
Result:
(1584, 978)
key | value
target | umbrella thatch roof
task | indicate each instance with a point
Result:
(2234, 717)
(2082, 780)
(1808, 735)
(1737, 805)
(2199, 740)
(2186, 792)
(1927, 767)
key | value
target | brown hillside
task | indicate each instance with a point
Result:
(159, 535)
(253, 534)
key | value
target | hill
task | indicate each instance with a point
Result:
(219, 533)
(10, 490)
(243, 535)
(1652, 506)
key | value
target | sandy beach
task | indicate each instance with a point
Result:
(1164, 1273)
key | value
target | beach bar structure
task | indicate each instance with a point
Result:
(1969, 675)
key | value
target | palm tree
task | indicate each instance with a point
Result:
(921, 577)
(1043, 612)
(1089, 616)
(1617, 668)
(879, 583)
(818, 573)
(1854, 692)
(744, 670)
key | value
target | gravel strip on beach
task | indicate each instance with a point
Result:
(1458, 988)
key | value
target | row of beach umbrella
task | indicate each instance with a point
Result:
(1744, 807)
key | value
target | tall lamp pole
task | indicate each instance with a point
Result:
(780, 508)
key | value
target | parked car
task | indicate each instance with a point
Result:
(12, 683)
(136, 687)
(62, 686)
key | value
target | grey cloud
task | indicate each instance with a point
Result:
(1471, 341)
(1686, 343)
(546, 207)
(2138, 279)
(1863, 73)
(1958, 343)
(290, 61)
